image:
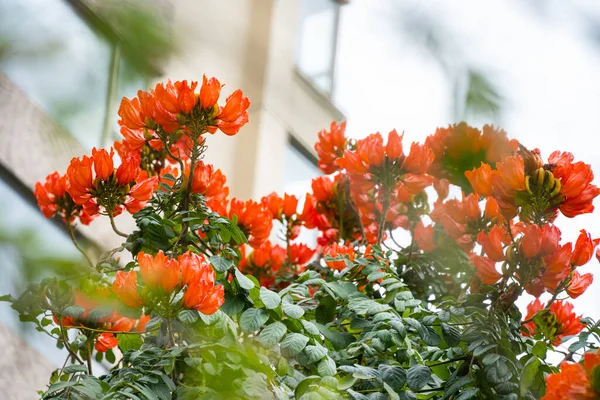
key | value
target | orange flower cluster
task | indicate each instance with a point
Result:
(274, 265)
(209, 182)
(331, 146)
(559, 320)
(521, 183)
(460, 148)
(92, 185)
(113, 322)
(53, 199)
(574, 381)
(337, 251)
(189, 272)
(540, 263)
(174, 107)
(253, 218)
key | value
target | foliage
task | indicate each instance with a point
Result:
(216, 305)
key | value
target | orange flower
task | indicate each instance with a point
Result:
(192, 267)
(352, 163)
(144, 187)
(301, 254)
(79, 175)
(186, 99)
(561, 318)
(539, 241)
(278, 206)
(532, 309)
(419, 159)
(209, 92)
(393, 148)
(103, 163)
(208, 182)
(576, 180)
(140, 326)
(255, 220)
(128, 171)
(492, 243)
(371, 150)
(131, 114)
(234, 115)
(331, 146)
(442, 187)
(579, 283)
(290, 203)
(105, 342)
(486, 269)
(123, 324)
(584, 249)
(274, 203)
(204, 297)
(424, 237)
(512, 171)
(125, 287)
(479, 178)
(159, 271)
(52, 198)
(334, 251)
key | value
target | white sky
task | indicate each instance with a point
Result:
(541, 59)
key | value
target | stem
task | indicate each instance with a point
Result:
(386, 206)
(88, 344)
(65, 341)
(114, 226)
(72, 235)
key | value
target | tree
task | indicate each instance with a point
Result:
(215, 304)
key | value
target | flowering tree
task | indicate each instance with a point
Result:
(222, 301)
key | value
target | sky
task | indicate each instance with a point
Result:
(540, 56)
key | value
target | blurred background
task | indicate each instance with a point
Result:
(530, 67)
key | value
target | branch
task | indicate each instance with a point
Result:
(114, 226)
(72, 235)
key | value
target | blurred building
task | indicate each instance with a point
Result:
(67, 63)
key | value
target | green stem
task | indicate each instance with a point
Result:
(384, 211)
(114, 226)
(77, 246)
(88, 344)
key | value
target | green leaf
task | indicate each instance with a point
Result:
(74, 368)
(245, 283)
(100, 312)
(490, 358)
(346, 382)
(393, 376)
(362, 305)
(528, 375)
(252, 319)
(292, 344)
(418, 376)
(595, 378)
(451, 335)
(309, 327)
(430, 336)
(326, 309)
(272, 334)
(539, 350)
(327, 367)
(221, 264)
(293, 310)
(467, 394)
(188, 316)
(314, 353)
(73, 311)
(270, 299)
(129, 342)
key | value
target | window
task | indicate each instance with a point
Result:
(317, 42)
(64, 66)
